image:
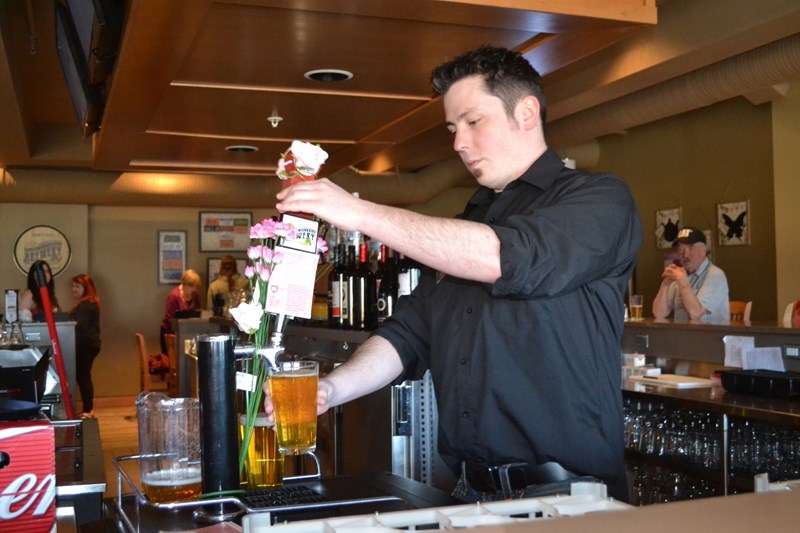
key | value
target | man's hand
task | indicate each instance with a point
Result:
(324, 199)
(324, 395)
(673, 273)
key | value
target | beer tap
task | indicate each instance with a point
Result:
(272, 353)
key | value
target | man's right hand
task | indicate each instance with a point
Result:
(324, 395)
(324, 199)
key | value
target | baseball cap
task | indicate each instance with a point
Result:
(690, 235)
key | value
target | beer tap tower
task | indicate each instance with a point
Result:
(216, 371)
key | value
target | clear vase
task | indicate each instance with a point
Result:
(263, 468)
(263, 464)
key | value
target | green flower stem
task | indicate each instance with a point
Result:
(257, 368)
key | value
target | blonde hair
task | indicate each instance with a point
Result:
(191, 278)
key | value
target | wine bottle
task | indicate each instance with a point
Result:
(385, 284)
(364, 293)
(348, 289)
(408, 272)
(334, 290)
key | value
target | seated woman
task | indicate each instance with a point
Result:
(184, 297)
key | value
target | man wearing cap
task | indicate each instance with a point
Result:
(695, 289)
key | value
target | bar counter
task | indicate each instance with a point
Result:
(716, 399)
(670, 340)
(773, 511)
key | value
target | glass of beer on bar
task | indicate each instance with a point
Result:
(637, 307)
(169, 446)
(264, 464)
(293, 387)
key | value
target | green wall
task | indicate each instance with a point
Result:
(718, 154)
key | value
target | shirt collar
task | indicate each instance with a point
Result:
(542, 174)
(702, 268)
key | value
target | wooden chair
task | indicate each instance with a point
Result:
(740, 311)
(148, 382)
(172, 374)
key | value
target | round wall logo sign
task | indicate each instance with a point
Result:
(42, 243)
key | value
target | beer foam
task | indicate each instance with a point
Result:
(172, 477)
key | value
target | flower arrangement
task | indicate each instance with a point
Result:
(302, 160)
(265, 256)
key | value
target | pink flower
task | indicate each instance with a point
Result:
(322, 245)
(249, 271)
(264, 271)
(284, 229)
(266, 229)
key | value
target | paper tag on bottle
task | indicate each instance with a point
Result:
(245, 381)
(291, 285)
(305, 239)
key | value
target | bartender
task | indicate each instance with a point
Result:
(519, 313)
(31, 307)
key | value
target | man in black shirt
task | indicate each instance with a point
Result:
(520, 315)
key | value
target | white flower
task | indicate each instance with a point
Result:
(309, 157)
(248, 316)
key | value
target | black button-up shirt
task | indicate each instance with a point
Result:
(528, 368)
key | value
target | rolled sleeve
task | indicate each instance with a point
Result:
(561, 246)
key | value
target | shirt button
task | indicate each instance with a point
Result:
(465, 414)
(464, 361)
(469, 310)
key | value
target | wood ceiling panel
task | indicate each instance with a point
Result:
(244, 114)
(193, 76)
(275, 47)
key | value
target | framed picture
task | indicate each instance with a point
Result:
(171, 256)
(213, 267)
(225, 231)
(733, 222)
(42, 242)
(668, 222)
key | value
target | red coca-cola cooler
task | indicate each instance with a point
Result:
(27, 476)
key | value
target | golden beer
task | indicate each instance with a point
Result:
(173, 485)
(293, 387)
(637, 313)
(264, 464)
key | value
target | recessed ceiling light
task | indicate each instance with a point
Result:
(328, 74)
(241, 148)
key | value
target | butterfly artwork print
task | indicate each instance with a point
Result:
(668, 222)
(733, 223)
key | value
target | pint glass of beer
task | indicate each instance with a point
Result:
(169, 443)
(264, 463)
(293, 387)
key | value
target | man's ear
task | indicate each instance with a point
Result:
(529, 112)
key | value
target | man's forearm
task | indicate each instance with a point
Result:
(461, 248)
(660, 305)
(693, 307)
(374, 365)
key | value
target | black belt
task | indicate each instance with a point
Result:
(513, 476)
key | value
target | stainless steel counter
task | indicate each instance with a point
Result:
(391, 493)
(80, 473)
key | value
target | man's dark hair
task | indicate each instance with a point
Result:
(507, 75)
